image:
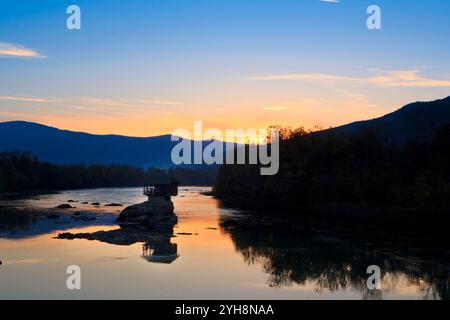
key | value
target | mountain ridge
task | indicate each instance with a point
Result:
(414, 121)
(69, 147)
(417, 121)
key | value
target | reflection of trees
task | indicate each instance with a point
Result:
(293, 256)
(13, 221)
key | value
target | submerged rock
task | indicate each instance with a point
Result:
(114, 205)
(123, 236)
(155, 214)
(84, 216)
(64, 206)
(186, 234)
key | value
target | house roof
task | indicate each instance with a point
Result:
(164, 180)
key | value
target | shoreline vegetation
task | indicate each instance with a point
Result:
(25, 174)
(346, 174)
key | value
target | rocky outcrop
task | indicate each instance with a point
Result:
(149, 222)
(64, 206)
(155, 214)
(123, 236)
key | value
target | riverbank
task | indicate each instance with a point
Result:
(378, 221)
(289, 208)
(16, 223)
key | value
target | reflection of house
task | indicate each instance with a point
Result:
(162, 252)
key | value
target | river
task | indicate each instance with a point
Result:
(207, 258)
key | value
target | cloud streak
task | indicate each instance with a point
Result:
(126, 103)
(30, 99)
(11, 50)
(381, 78)
(276, 108)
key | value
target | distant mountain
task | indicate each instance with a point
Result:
(68, 147)
(417, 121)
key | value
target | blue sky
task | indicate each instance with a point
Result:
(147, 67)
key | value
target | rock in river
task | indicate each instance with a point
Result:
(124, 236)
(64, 206)
(155, 214)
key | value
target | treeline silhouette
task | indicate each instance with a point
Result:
(330, 167)
(20, 172)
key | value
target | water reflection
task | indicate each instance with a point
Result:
(15, 223)
(213, 263)
(164, 252)
(22, 224)
(294, 255)
(156, 248)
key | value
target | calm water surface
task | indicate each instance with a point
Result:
(215, 262)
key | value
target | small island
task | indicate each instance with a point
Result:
(155, 213)
(151, 222)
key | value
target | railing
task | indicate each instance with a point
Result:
(150, 191)
(162, 190)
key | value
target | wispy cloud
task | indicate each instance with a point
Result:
(30, 99)
(382, 78)
(133, 103)
(406, 78)
(40, 109)
(313, 77)
(98, 102)
(167, 103)
(331, 1)
(108, 102)
(11, 50)
(276, 108)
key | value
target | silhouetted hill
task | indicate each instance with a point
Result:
(417, 121)
(68, 147)
(360, 169)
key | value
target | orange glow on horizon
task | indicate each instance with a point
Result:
(158, 123)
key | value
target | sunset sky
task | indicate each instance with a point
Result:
(144, 68)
